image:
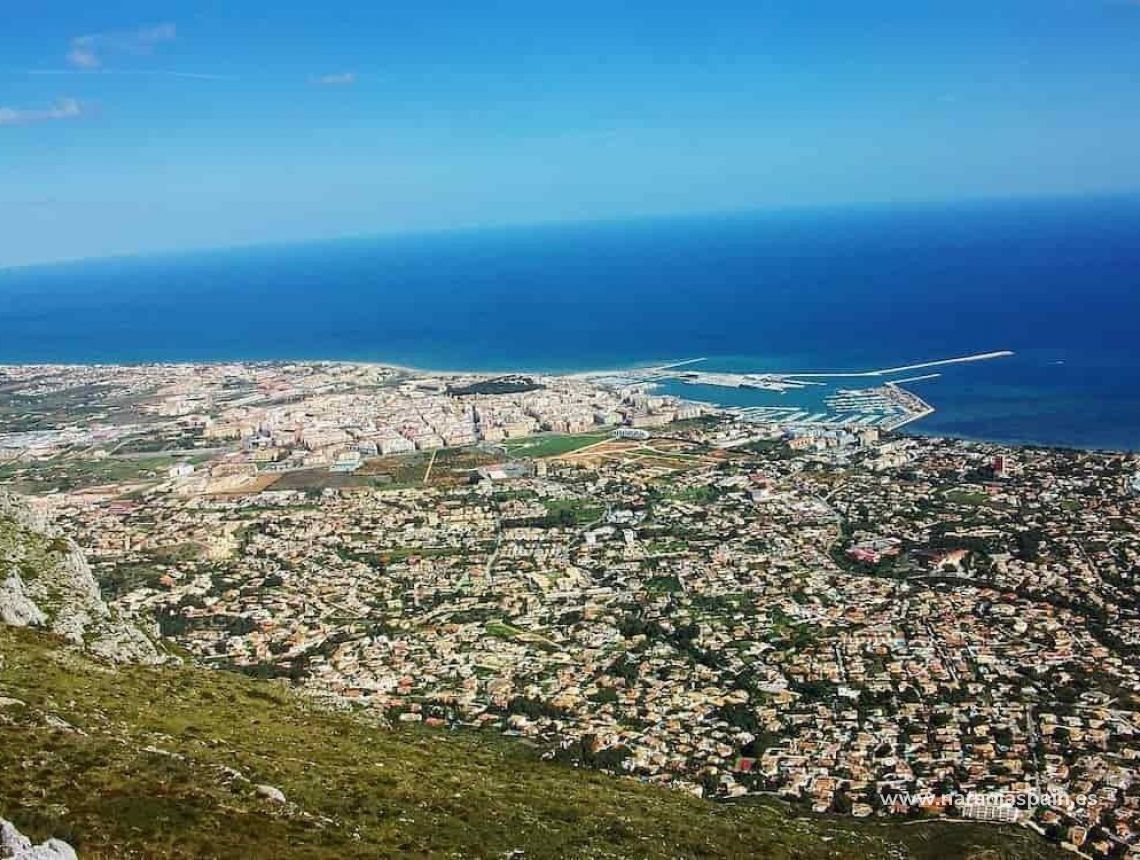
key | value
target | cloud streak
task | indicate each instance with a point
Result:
(343, 79)
(88, 51)
(66, 108)
(145, 73)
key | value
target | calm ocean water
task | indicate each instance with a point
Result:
(1056, 281)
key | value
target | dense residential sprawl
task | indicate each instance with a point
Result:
(872, 625)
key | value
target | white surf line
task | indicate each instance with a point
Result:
(982, 356)
(626, 371)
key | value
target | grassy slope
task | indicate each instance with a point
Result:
(353, 790)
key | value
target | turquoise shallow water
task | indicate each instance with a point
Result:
(1056, 281)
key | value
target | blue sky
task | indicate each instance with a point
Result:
(136, 126)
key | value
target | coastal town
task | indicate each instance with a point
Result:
(857, 620)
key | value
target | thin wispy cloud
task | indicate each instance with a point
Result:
(91, 49)
(66, 108)
(143, 73)
(342, 79)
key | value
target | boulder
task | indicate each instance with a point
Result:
(271, 793)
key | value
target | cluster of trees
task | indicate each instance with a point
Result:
(534, 709)
(588, 751)
(499, 385)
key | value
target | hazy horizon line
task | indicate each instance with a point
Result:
(570, 221)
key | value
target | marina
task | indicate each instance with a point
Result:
(886, 406)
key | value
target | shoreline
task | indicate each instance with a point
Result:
(912, 427)
(635, 367)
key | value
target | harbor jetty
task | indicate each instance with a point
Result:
(886, 406)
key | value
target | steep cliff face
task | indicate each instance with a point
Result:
(45, 582)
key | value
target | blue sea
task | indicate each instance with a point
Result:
(1057, 281)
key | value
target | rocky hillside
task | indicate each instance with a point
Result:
(174, 761)
(45, 582)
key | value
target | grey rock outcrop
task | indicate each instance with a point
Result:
(14, 845)
(16, 608)
(14, 508)
(45, 581)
